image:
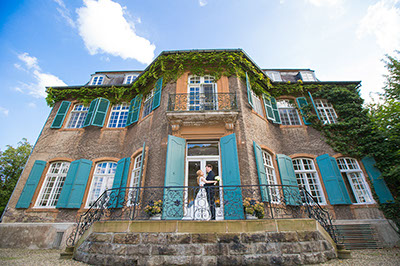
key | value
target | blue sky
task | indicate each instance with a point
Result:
(56, 42)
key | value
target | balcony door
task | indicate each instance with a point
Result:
(199, 154)
(202, 93)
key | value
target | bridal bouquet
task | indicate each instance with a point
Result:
(217, 178)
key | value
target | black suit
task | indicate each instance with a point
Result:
(210, 189)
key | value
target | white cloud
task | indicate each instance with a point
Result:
(104, 29)
(203, 2)
(64, 12)
(4, 111)
(32, 105)
(43, 80)
(383, 22)
(30, 61)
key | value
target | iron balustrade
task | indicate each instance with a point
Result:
(196, 203)
(202, 102)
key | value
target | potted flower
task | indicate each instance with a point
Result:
(253, 208)
(154, 209)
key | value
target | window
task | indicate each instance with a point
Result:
(119, 114)
(257, 104)
(148, 103)
(137, 164)
(103, 179)
(202, 93)
(326, 111)
(129, 79)
(97, 80)
(307, 76)
(275, 76)
(271, 178)
(51, 189)
(288, 113)
(354, 179)
(77, 117)
(307, 177)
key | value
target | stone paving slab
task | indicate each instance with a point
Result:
(387, 257)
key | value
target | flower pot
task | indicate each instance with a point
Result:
(156, 216)
(250, 217)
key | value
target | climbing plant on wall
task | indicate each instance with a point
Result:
(170, 66)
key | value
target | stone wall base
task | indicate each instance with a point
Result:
(34, 235)
(113, 247)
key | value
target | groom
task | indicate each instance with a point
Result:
(210, 189)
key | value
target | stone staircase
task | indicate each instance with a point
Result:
(358, 236)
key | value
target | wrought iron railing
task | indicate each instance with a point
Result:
(202, 203)
(202, 102)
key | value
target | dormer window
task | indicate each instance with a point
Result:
(275, 76)
(129, 79)
(97, 80)
(307, 76)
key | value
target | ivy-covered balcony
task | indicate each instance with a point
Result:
(207, 108)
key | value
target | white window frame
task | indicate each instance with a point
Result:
(288, 113)
(257, 103)
(274, 75)
(271, 177)
(129, 79)
(77, 116)
(303, 173)
(135, 176)
(307, 76)
(97, 80)
(326, 111)
(52, 185)
(197, 86)
(351, 169)
(118, 115)
(107, 179)
(148, 104)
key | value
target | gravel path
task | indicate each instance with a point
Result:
(386, 257)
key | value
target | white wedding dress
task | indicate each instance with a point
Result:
(200, 209)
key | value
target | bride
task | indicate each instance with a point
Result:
(201, 209)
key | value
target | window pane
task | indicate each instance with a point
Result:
(196, 149)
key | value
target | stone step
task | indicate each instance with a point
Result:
(66, 255)
(344, 254)
(358, 236)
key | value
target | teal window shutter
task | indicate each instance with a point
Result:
(276, 111)
(233, 201)
(157, 93)
(61, 113)
(68, 183)
(268, 108)
(302, 102)
(313, 103)
(333, 180)
(262, 175)
(97, 112)
(288, 178)
(120, 180)
(75, 184)
(134, 110)
(378, 182)
(30, 186)
(101, 112)
(91, 111)
(249, 91)
(174, 179)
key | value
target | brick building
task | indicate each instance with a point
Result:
(168, 130)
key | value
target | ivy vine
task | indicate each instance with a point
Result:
(170, 67)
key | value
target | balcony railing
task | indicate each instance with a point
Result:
(202, 102)
(203, 203)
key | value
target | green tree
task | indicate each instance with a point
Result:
(385, 117)
(12, 162)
